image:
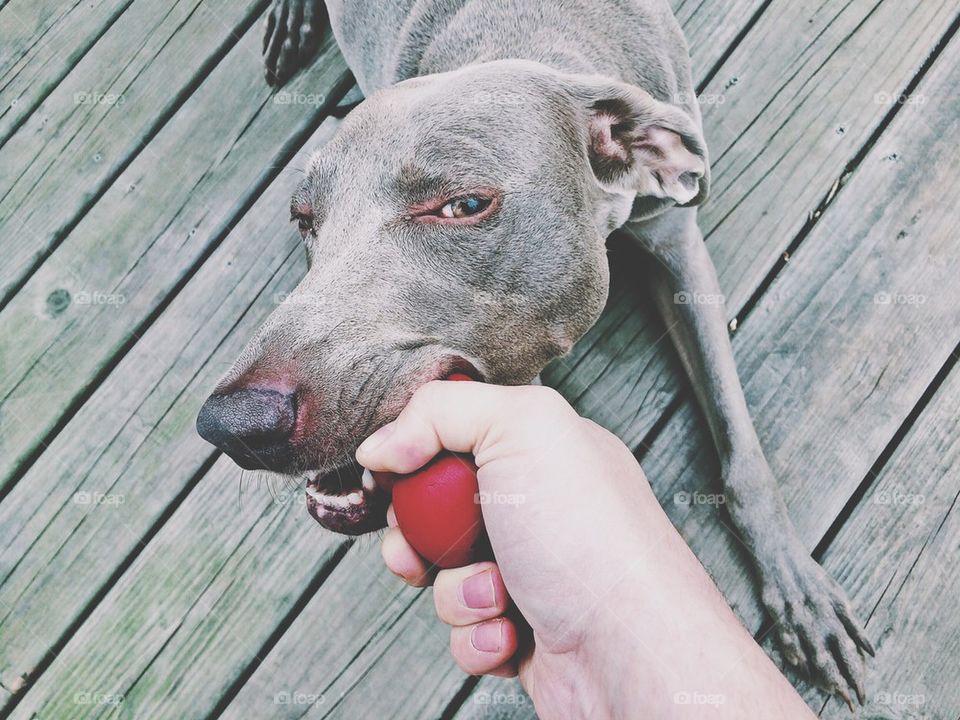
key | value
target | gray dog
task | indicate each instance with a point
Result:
(458, 220)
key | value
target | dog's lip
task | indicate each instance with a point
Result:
(459, 364)
(353, 507)
(346, 499)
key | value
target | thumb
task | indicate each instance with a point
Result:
(468, 417)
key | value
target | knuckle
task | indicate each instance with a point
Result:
(423, 399)
(546, 400)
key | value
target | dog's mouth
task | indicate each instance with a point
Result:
(347, 500)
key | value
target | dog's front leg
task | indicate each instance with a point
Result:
(816, 628)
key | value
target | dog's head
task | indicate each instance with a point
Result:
(456, 222)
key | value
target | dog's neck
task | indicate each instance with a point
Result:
(639, 43)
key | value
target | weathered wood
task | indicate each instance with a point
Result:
(41, 42)
(99, 116)
(135, 438)
(842, 347)
(897, 555)
(712, 27)
(158, 220)
(805, 70)
(366, 645)
(156, 385)
(177, 629)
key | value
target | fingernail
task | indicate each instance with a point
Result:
(477, 591)
(488, 636)
(375, 440)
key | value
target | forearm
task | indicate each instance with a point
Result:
(679, 648)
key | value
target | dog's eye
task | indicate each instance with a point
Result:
(304, 223)
(466, 206)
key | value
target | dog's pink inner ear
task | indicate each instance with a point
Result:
(649, 158)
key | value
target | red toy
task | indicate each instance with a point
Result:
(438, 510)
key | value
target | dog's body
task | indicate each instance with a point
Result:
(458, 220)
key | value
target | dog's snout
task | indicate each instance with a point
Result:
(252, 425)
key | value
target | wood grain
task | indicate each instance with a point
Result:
(42, 41)
(75, 142)
(367, 644)
(159, 220)
(830, 373)
(177, 629)
(908, 589)
(804, 71)
(135, 437)
(844, 344)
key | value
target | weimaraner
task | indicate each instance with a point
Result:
(458, 221)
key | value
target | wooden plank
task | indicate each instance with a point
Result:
(805, 70)
(41, 43)
(159, 219)
(134, 439)
(365, 646)
(712, 27)
(99, 115)
(178, 628)
(896, 554)
(845, 342)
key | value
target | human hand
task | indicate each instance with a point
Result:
(608, 598)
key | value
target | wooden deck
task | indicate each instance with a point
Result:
(145, 169)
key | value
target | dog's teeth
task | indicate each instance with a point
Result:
(340, 502)
(368, 482)
(355, 498)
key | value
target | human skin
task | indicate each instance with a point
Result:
(594, 599)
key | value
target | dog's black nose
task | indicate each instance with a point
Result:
(253, 426)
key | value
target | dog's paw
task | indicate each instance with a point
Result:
(291, 36)
(817, 631)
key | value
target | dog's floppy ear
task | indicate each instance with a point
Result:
(641, 145)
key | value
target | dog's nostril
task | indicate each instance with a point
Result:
(251, 425)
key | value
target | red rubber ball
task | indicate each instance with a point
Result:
(438, 512)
